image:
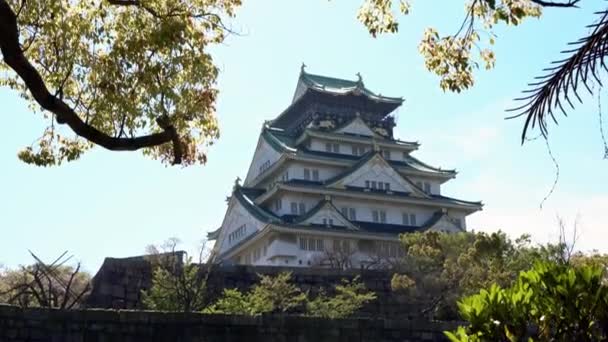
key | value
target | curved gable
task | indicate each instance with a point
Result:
(445, 224)
(264, 156)
(356, 127)
(326, 214)
(240, 222)
(376, 170)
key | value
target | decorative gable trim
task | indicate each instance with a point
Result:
(375, 164)
(442, 222)
(358, 127)
(325, 210)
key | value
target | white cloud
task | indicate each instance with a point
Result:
(524, 217)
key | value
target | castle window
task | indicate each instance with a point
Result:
(379, 216)
(294, 208)
(406, 219)
(285, 176)
(327, 147)
(237, 234)
(315, 175)
(413, 219)
(303, 243)
(458, 222)
(427, 187)
(344, 211)
(374, 185)
(336, 148)
(320, 247)
(302, 208)
(381, 185)
(404, 155)
(386, 154)
(352, 214)
(387, 186)
(367, 184)
(312, 244)
(307, 174)
(278, 204)
(358, 150)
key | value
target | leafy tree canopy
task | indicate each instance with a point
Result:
(276, 294)
(131, 74)
(440, 268)
(123, 74)
(551, 302)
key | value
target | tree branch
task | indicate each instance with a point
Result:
(16, 60)
(569, 3)
(554, 90)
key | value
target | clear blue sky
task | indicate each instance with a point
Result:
(114, 204)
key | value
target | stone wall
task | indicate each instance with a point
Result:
(48, 325)
(119, 282)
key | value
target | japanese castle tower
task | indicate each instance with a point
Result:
(329, 185)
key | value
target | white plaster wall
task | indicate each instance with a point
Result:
(347, 148)
(435, 185)
(394, 213)
(280, 252)
(236, 216)
(459, 214)
(309, 201)
(379, 173)
(327, 214)
(357, 127)
(296, 170)
(264, 152)
(363, 208)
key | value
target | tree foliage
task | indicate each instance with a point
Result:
(178, 283)
(440, 268)
(123, 74)
(455, 57)
(271, 295)
(551, 302)
(349, 298)
(276, 294)
(177, 288)
(137, 75)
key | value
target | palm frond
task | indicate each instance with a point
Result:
(560, 87)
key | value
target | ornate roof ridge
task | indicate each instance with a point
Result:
(339, 85)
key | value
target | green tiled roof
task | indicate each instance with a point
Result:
(283, 142)
(342, 86)
(257, 211)
(438, 199)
